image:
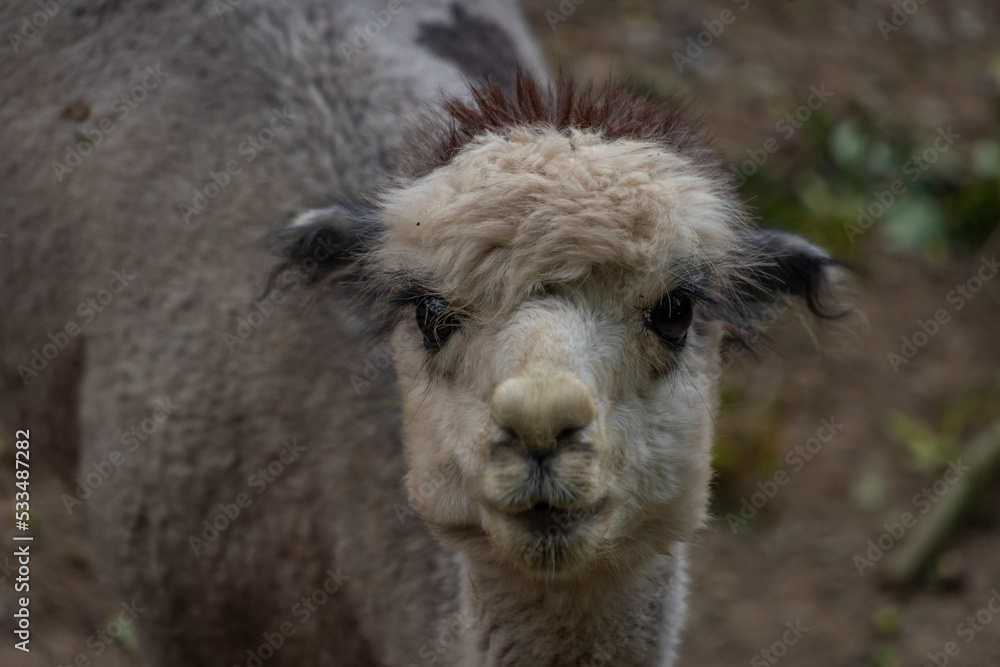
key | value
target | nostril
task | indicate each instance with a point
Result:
(567, 434)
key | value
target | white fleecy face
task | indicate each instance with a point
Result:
(558, 374)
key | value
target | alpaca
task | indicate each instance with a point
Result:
(486, 444)
(559, 273)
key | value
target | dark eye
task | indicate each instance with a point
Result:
(436, 322)
(671, 317)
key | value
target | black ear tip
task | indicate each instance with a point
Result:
(322, 241)
(784, 263)
(288, 242)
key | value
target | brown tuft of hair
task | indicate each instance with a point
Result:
(615, 111)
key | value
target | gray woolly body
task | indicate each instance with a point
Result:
(337, 508)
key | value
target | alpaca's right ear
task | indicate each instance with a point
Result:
(776, 269)
(323, 241)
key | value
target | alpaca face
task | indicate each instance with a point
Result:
(559, 299)
(576, 434)
(558, 373)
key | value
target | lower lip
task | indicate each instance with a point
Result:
(545, 516)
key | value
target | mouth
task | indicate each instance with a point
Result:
(544, 516)
(548, 539)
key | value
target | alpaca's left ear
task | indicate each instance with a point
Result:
(782, 263)
(321, 242)
(773, 268)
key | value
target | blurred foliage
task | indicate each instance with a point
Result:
(127, 638)
(928, 450)
(887, 620)
(747, 449)
(870, 490)
(815, 185)
(841, 167)
(887, 655)
(931, 446)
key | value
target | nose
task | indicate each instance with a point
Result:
(542, 413)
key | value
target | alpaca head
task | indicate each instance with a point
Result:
(560, 274)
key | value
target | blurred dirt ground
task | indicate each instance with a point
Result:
(794, 560)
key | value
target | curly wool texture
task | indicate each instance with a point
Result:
(516, 213)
